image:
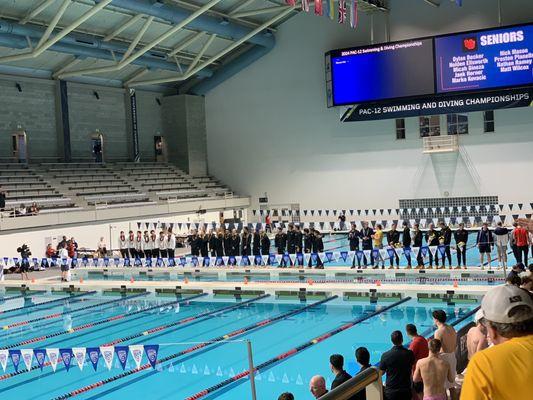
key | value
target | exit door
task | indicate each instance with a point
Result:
(20, 146)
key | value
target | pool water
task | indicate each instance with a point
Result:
(79, 324)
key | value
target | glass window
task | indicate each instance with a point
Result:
(400, 128)
(488, 121)
(429, 126)
(457, 124)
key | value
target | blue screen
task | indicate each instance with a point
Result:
(484, 60)
(382, 71)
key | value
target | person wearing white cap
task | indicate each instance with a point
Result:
(476, 338)
(505, 370)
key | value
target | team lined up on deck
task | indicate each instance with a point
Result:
(368, 246)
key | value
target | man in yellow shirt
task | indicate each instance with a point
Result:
(505, 370)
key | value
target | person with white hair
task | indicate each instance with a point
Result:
(476, 338)
(503, 371)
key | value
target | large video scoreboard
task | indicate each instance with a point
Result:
(457, 63)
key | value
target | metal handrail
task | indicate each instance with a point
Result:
(354, 385)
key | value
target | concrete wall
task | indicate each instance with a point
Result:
(34, 110)
(269, 129)
(185, 132)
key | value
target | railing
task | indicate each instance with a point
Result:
(369, 380)
(440, 144)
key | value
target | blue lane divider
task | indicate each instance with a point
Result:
(222, 338)
(269, 363)
(57, 315)
(22, 295)
(47, 303)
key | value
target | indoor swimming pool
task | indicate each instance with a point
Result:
(201, 339)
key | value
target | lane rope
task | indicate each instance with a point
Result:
(222, 338)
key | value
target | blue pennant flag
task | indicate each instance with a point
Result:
(137, 262)
(344, 255)
(424, 250)
(258, 260)
(272, 258)
(359, 254)
(95, 262)
(40, 356)
(329, 256)
(207, 261)
(314, 257)
(85, 261)
(127, 262)
(122, 355)
(375, 253)
(106, 261)
(300, 258)
(159, 262)
(66, 356)
(74, 262)
(171, 262)
(148, 261)
(183, 261)
(151, 351)
(245, 260)
(442, 249)
(94, 356)
(116, 261)
(407, 251)
(15, 358)
(194, 260)
(219, 261)
(391, 253)
(286, 258)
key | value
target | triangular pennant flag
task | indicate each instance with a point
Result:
(292, 258)
(40, 357)
(66, 356)
(442, 250)
(4, 354)
(137, 351)
(79, 356)
(433, 250)
(344, 255)
(391, 253)
(108, 353)
(415, 251)
(265, 259)
(122, 355)
(151, 351)
(425, 251)
(15, 358)
(94, 356)
(27, 357)
(329, 256)
(384, 254)
(238, 260)
(375, 254)
(53, 357)
(406, 252)
(366, 254)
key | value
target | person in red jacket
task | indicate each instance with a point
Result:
(521, 239)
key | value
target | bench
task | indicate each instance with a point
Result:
(117, 198)
(104, 191)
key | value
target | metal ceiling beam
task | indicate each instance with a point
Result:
(54, 22)
(186, 42)
(125, 25)
(259, 11)
(49, 43)
(240, 6)
(135, 75)
(222, 28)
(138, 37)
(201, 53)
(74, 61)
(36, 11)
(146, 48)
(218, 55)
(15, 36)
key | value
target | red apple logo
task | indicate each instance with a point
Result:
(469, 44)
